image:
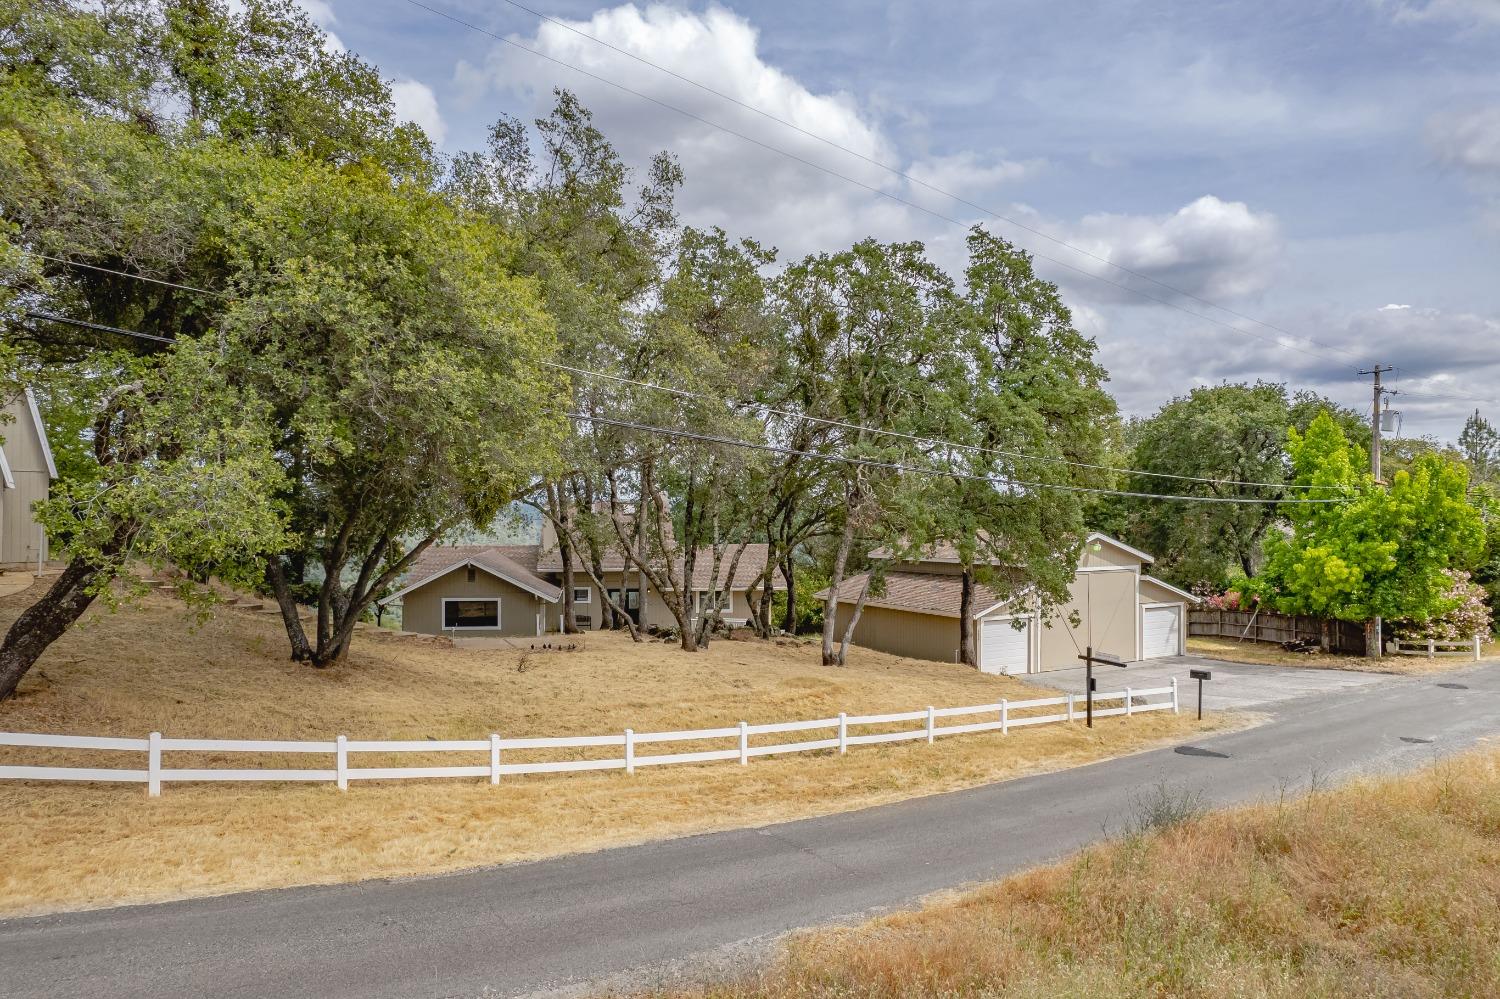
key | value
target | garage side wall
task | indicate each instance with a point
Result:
(422, 608)
(902, 633)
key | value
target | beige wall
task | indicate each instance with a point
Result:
(20, 539)
(656, 613)
(1107, 555)
(1105, 600)
(422, 609)
(904, 633)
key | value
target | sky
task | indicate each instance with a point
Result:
(1289, 191)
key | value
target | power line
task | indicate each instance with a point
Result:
(125, 274)
(96, 326)
(908, 177)
(937, 441)
(851, 180)
(900, 467)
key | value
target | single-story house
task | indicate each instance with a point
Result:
(1122, 610)
(479, 590)
(26, 475)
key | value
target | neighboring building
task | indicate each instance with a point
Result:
(1121, 609)
(478, 590)
(26, 474)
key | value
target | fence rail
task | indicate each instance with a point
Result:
(343, 749)
(1433, 649)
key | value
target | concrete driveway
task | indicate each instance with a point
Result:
(1234, 686)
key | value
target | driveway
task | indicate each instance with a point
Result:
(1234, 686)
(634, 911)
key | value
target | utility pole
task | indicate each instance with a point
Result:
(1374, 637)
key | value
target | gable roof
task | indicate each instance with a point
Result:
(940, 594)
(752, 563)
(507, 562)
(1116, 542)
(1168, 586)
(41, 433)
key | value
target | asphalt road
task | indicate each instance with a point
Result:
(532, 927)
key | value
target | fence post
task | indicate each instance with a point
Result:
(1174, 695)
(1431, 648)
(843, 732)
(153, 765)
(744, 744)
(1005, 716)
(494, 758)
(1478, 649)
(1127, 702)
(630, 751)
(341, 762)
(1070, 707)
(931, 719)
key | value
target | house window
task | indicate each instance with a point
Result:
(705, 604)
(582, 595)
(462, 612)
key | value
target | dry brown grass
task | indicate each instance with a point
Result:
(1272, 654)
(137, 670)
(1385, 888)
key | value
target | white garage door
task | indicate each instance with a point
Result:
(1161, 634)
(1006, 649)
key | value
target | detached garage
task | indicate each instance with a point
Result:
(1119, 610)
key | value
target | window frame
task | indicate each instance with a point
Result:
(588, 594)
(470, 627)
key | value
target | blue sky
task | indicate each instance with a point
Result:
(1308, 165)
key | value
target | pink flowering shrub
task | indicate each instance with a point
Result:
(1467, 615)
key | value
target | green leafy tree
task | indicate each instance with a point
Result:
(1378, 552)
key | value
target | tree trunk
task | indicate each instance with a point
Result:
(45, 621)
(563, 516)
(831, 604)
(966, 651)
(301, 651)
(859, 608)
(788, 573)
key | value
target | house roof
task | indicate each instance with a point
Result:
(41, 433)
(6, 479)
(944, 551)
(1168, 586)
(515, 564)
(919, 592)
(752, 563)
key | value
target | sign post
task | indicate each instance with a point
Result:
(1090, 657)
(1200, 675)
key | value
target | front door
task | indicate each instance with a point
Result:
(632, 603)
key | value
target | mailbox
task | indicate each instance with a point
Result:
(1201, 674)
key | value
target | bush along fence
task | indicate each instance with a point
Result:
(838, 733)
(1268, 626)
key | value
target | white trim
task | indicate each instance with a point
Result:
(476, 565)
(1107, 568)
(445, 626)
(588, 594)
(1096, 536)
(5, 476)
(1168, 586)
(41, 433)
(1182, 625)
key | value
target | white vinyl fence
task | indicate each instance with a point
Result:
(1433, 649)
(834, 733)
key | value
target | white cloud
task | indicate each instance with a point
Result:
(1467, 12)
(730, 182)
(415, 102)
(1209, 248)
(1392, 307)
(969, 174)
(1468, 139)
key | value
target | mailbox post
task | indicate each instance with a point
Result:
(1090, 657)
(1200, 675)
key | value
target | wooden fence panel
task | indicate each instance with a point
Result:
(1266, 626)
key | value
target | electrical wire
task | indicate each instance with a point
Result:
(935, 441)
(916, 470)
(666, 105)
(42, 316)
(910, 178)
